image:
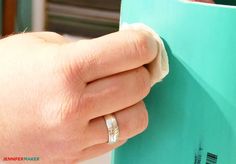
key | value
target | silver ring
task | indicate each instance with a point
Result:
(112, 127)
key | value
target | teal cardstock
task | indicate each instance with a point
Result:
(192, 112)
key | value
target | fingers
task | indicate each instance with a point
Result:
(115, 93)
(131, 121)
(99, 149)
(110, 54)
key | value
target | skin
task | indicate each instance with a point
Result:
(54, 93)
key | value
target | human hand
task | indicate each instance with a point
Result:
(54, 93)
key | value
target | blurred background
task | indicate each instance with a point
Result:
(87, 18)
(76, 19)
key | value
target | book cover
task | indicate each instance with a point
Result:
(192, 112)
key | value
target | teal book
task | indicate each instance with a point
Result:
(192, 112)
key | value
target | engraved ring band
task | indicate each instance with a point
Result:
(112, 127)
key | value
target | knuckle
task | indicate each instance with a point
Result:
(143, 119)
(126, 129)
(49, 36)
(131, 127)
(144, 46)
(49, 33)
(78, 62)
(143, 81)
(53, 34)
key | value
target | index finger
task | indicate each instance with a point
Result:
(111, 54)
